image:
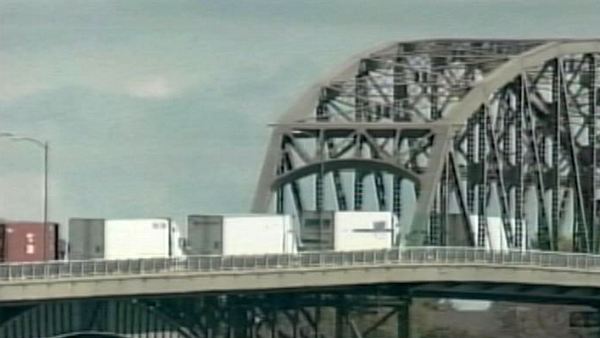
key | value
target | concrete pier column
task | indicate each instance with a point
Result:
(403, 321)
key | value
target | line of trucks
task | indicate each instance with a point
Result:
(240, 234)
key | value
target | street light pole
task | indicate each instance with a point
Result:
(45, 147)
(46, 199)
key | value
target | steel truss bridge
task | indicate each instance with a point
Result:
(446, 133)
(443, 133)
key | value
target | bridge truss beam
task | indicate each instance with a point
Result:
(358, 312)
(341, 313)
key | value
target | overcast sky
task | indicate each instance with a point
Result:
(160, 108)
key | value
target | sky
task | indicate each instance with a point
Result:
(161, 108)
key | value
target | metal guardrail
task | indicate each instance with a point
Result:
(213, 264)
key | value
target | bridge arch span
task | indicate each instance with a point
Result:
(513, 68)
(510, 137)
(341, 164)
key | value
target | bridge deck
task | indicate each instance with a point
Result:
(197, 274)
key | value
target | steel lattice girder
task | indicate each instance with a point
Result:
(314, 314)
(446, 133)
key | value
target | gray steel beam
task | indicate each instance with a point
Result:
(591, 182)
(581, 227)
(340, 194)
(498, 165)
(428, 181)
(482, 188)
(519, 164)
(471, 181)
(544, 240)
(556, 118)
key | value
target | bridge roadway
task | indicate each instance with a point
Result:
(434, 270)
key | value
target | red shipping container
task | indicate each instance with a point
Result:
(24, 242)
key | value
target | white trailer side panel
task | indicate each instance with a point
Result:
(137, 238)
(256, 234)
(363, 230)
(290, 236)
(177, 241)
(205, 235)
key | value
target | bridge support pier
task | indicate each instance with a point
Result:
(403, 320)
(237, 324)
(342, 320)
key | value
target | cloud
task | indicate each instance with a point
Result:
(20, 88)
(155, 88)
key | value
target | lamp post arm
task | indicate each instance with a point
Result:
(32, 140)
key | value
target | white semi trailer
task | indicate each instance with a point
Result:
(243, 234)
(123, 238)
(141, 238)
(348, 230)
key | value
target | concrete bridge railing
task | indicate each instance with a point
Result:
(447, 256)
